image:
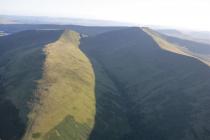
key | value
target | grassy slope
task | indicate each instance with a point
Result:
(21, 60)
(194, 36)
(66, 106)
(165, 45)
(21, 63)
(194, 49)
(200, 50)
(165, 95)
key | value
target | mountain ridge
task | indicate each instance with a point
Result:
(118, 85)
(151, 77)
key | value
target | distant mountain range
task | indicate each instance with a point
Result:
(70, 82)
(8, 19)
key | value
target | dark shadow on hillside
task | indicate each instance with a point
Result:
(10, 126)
(21, 65)
(145, 93)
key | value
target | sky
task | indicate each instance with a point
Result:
(186, 14)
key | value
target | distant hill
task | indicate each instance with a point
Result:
(9, 19)
(191, 48)
(86, 30)
(125, 83)
(6, 21)
(199, 36)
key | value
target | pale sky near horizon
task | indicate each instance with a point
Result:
(189, 14)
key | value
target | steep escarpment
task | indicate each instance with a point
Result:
(47, 87)
(66, 106)
(162, 95)
(193, 49)
(21, 61)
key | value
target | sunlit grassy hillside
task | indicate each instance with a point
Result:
(46, 87)
(66, 106)
(200, 51)
(21, 62)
